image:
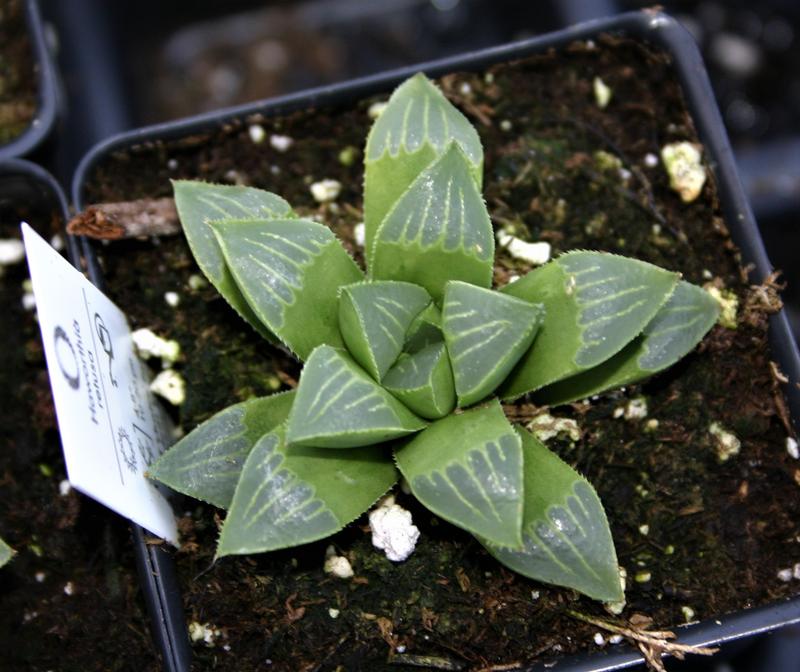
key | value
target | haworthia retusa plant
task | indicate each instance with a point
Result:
(6, 552)
(390, 356)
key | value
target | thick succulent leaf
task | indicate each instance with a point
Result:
(290, 271)
(595, 304)
(423, 381)
(207, 462)
(467, 468)
(486, 334)
(565, 532)
(292, 495)
(679, 326)
(425, 330)
(338, 405)
(438, 230)
(200, 203)
(6, 552)
(374, 318)
(413, 130)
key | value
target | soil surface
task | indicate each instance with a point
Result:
(69, 599)
(558, 168)
(17, 72)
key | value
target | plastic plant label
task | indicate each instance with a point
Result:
(111, 426)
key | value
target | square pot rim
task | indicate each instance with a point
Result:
(654, 27)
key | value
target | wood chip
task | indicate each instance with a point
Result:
(129, 219)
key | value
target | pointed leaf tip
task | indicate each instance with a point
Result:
(413, 130)
(288, 496)
(198, 204)
(595, 304)
(486, 334)
(374, 318)
(675, 330)
(565, 532)
(207, 462)
(438, 230)
(339, 405)
(467, 468)
(290, 272)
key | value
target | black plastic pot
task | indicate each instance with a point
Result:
(46, 111)
(655, 28)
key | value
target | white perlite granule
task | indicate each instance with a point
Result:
(393, 530)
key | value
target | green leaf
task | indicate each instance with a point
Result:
(438, 230)
(413, 130)
(486, 334)
(290, 272)
(288, 496)
(6, 552)
(374, 318)
(566, 536)
(679, 326)
(467, 468)
(423, 381)
(207, 462)
(595, 304)
(198, 204)
(338, 405)
(425, 330)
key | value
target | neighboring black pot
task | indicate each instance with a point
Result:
(663, 32)
(47, 90)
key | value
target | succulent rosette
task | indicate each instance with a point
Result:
(406, 365)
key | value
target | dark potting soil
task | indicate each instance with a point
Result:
(717, 531)
(68, 598)
(17, 72)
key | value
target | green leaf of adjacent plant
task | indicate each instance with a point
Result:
(675, 330)
(200, 203)
(423, 381)
(6, 552)
(338, 405)
(207, 462)
(438, 230)
(425, 330)
(486, 334)
(290, 272)
(374, 318)
(292, 495)
(595, 304)
(467, 468)
(566, 536)
(415, 128)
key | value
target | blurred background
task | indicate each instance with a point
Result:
(151, 61)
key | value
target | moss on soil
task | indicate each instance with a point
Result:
(17, 72)
(730, 526)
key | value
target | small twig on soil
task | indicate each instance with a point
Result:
(433, 662)
(505, 667)
(129, 219)
(652, 643)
